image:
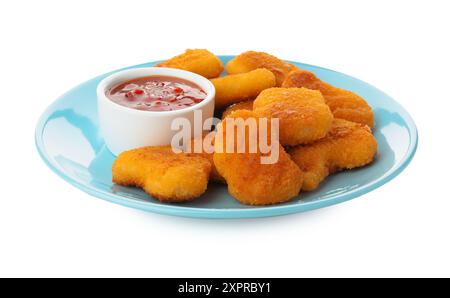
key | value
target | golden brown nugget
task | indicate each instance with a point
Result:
(343, 103)
(303, 115)
(348, 145)
(165, 175)
(202, 151)
(250, 181)
(245, 105)
(251, 60)
(241, 87)
(200, 61)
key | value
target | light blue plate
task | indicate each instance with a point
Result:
(68, 140)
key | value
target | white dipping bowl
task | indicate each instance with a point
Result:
(126, 128)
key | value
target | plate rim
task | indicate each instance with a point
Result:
(231, 213)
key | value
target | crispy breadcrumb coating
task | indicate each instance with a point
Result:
(304, 117)
(250, 181)
(343, 103)
(200, 61)
(165, 175)
(245, 105)
(251, 60)
(348, 145)
(231, 89)
(201, 150)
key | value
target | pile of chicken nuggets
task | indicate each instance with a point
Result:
(322, 129)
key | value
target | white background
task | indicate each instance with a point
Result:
(50, 228)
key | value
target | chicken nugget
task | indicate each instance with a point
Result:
(343, 103)
(245, 105)
(251, 60)
(202, 149)
(348, 145)
(165, 175)
(303, 115)
(200, 61)
(240, 87)
(250, 180)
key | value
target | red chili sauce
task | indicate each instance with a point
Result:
(156, 93)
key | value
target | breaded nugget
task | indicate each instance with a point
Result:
(245, 105)
(240, 87)
(202, 151)
(348, 145)
(250, 181)
(165, 175)
(304, 117)
(200, 61)
(343, 103)
(251, 60)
